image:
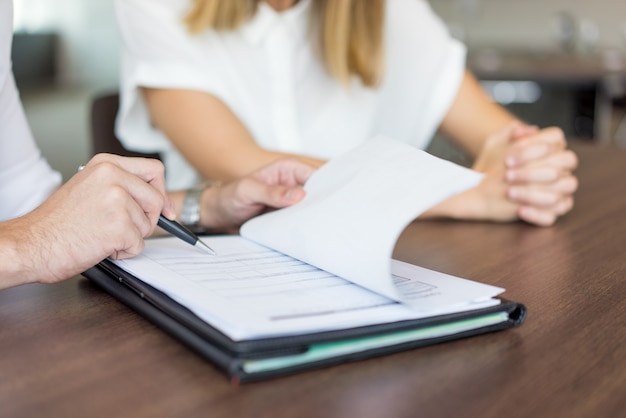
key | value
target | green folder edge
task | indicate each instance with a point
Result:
(323, 351)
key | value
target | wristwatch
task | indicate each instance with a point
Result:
(190, 213)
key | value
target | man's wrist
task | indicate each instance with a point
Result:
(16, 254)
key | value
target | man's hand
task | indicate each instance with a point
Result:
(105, 210)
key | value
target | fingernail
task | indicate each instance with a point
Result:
(169, 213)
(294, 194)
(290, 194)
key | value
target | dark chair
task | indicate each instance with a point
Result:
(103, 112)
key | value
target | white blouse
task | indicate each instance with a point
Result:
(268, 74)
(26, 179)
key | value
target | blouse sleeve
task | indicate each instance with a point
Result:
(158, 52)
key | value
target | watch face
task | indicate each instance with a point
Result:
(190, 213)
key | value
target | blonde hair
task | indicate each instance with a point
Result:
(349, 32)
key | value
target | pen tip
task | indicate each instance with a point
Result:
(204, 247)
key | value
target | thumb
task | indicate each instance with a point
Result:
(169, 209)
(281, 196)
(494, 149)
(523, 131)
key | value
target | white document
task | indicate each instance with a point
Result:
(250, 291)
(325, 263)
(357, 206)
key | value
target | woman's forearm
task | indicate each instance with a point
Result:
(209, 135)
(473, 117)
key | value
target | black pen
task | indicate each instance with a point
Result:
(183, 233)
(178, 230)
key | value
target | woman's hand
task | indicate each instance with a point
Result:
(277, 185)
(528, 174)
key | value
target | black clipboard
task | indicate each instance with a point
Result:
(232, 357)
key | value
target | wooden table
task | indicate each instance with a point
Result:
(69, 350)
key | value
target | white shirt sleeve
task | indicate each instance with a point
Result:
(158, 52)
(26, 179)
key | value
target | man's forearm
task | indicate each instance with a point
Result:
(14, 256)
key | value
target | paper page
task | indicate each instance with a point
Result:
(357, 206)
(249, 291)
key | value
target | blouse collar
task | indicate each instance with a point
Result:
(294, 19)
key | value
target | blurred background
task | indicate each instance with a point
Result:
(552, 62)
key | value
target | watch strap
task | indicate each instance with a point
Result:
(190, 212)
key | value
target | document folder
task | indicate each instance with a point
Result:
(300, 287)
(257, 359)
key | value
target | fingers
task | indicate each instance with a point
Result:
(547, 170)
(149, 170)
(135, 249)
(275, 186)
(272, 195)
(536, 146)
(539, 173)
(522, 131)
(130, 242)
(541, 204)
(548, 216)
(280, 183)
(123, 190)
(121, 223)
(529, 174)
(125, 219)
(281, 196)
(496, 149)
(286, 172)
(543, 195)
(300, 171)
(105, 210)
